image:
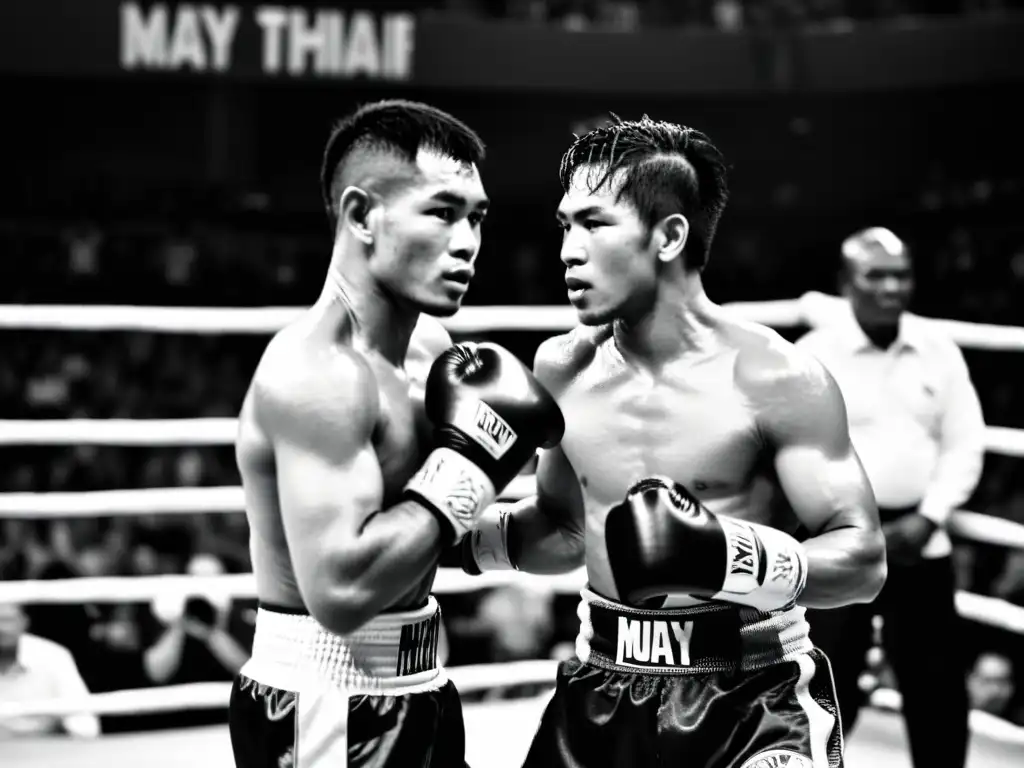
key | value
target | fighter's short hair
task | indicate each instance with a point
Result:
(665, 168)
(394, 128)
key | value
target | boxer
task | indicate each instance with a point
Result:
(353, 488)
(679, 420)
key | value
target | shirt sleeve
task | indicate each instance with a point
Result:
(961, 445)
(68, 683)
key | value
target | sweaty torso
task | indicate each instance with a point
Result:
(692, 421)
(399, 441)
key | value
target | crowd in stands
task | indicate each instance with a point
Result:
(726, 15)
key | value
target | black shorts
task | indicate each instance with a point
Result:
(271, 728)
(713, 687)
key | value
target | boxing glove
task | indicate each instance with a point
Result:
(490, 415)
(661, 541)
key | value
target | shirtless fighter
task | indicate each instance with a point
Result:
(353, 486)
(693, 649)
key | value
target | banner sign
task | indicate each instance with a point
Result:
(286, 40)
(387, 42)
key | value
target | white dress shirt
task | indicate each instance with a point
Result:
(915, 419)
(44, 670)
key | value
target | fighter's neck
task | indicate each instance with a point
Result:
(378, 320)
(682, 321)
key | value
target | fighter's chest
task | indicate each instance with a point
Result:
(699, 432)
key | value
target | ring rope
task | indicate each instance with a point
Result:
(1006, 441)
(813, 308)
(265, 320)
(817, 309)
(158, 501)
(965, 524)
(992, 611)
(261, 320)
(120, 589)
(123, 432)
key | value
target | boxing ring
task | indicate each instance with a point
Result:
(498, 733)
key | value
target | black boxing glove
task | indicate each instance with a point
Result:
(490, 415)
(661, 541)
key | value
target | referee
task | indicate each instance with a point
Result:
(917, 424)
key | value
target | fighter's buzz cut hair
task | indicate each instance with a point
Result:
(362, 144)
(664, 168)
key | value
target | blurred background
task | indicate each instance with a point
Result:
(167, 154)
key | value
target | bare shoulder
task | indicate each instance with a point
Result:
(306, 386)
(775, 372)
(430, 336)
(561, 358)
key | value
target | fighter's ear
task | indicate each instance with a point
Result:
(356, 209)
(671, 234)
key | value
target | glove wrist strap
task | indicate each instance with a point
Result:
(488, 541)
(454, 487)
(765, 569)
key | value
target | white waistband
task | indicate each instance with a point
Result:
(394, 653)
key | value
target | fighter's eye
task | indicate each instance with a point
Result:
(446, 215)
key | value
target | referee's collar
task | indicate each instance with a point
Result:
(856, 341)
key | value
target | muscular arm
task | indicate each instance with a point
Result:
(351, 558)
(804, 420)
(546, 531)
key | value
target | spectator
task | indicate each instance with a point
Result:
(198, 642)
(35, 669)
(991, 688)
(196, 639)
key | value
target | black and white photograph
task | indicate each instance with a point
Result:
(512, 384)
